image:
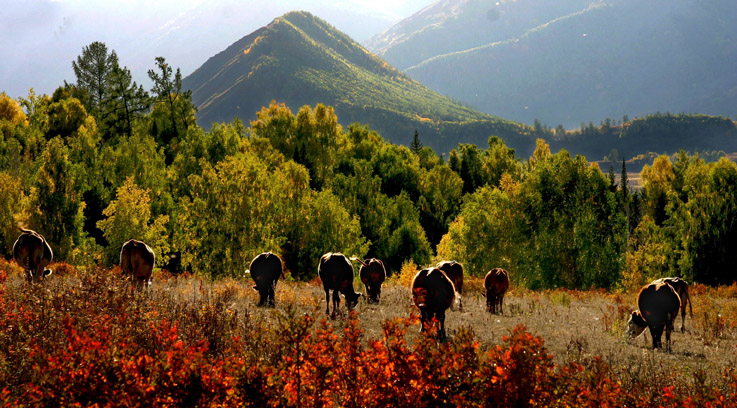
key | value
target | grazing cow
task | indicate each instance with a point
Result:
(372, 275)
(496, 284)
(137, 259)
(265, 270)
(336, 274)
(433, 292)
(33, 253)
(454, 271)
(658, 304)
(681, 287)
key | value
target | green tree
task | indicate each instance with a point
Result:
(59, 201)
(129, 216)
(416, 145)
(92, 70)
(173, 105)
(126, 101)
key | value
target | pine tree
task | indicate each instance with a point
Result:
(167, 89)
(92, 70)
(623, 183)
(416, 145)
(126, 100)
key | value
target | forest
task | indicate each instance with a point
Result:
(103, 160)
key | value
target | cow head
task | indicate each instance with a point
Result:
(419, 296)
(636, 325)
(373, 291)
(38, 277)
(266, 295)
(351, 300)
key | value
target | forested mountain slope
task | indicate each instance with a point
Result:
(301, 60)
(575, 61)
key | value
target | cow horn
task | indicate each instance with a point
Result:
(353, 258)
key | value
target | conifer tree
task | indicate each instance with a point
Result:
(127, 100)
(92, 70)
(416, 145)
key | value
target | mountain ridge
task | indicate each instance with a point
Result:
(608, 58)
(299, 59)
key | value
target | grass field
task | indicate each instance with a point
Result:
(83, 337)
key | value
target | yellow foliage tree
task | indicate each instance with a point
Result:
(11, 111)
(129, 217)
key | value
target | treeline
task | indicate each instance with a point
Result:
(664, 133)
(96, 164)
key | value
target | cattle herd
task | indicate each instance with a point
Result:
(434, 289)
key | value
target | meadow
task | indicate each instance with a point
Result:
(83, 337)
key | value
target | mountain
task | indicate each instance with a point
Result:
(572, 61)
(299, 59)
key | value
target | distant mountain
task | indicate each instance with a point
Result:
(572, 61)
(301, 60)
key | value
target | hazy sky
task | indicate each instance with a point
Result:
(39, 39)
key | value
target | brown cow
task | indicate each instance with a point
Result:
(496, 284)
(33, 253)
(336, 273)
(433, 292)
(266, 268)
(681, 287)
(372, 275)
(658, 304)
(138, 260)
(454, 271)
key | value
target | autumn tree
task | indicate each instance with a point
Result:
(129, 216)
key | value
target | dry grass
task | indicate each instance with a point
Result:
(577, 326)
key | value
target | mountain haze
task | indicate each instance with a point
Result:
(572, 61)
(301, 60)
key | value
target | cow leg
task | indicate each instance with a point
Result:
(683, 317)
(656, 332)
(424, 319)
(336, 302)
(501, 303)
(441, 326)
(669, 327)
(270, 298)
(327, 302)
(460, 303)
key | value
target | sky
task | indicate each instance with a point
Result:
(39, 39)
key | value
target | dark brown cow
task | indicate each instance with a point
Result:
(336, 273)
(681, 287)
(433, 292)
(372, 275)
(33, 253)
(137, 259)
(496, 284)
(454, 271)
(658, 304)
(266, 268)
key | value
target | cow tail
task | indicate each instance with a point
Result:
(690, 304)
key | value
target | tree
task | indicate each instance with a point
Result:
(93, 69)
(167, 90)
(11, 111)
(416, 145)
(126, 102)
(60, 217)
(129, 217)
